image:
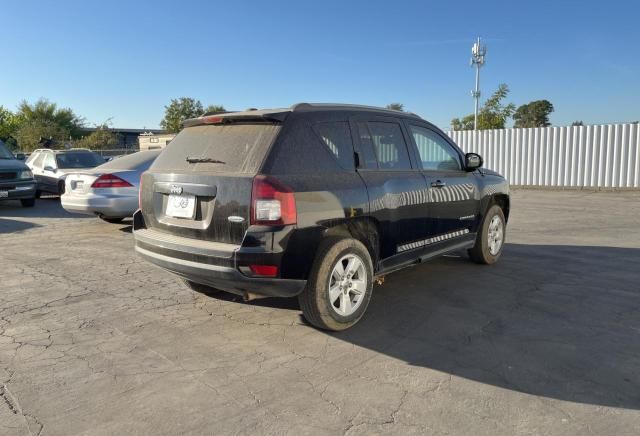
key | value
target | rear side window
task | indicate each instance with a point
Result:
(49, 160)
(367, 154)
(337, 137)
(37, 162)
(390, 146)
(237, 148)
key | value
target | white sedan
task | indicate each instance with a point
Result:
(109, 191)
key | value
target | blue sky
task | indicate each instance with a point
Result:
(126, 59)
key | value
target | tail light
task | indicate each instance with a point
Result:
(212, 120)
(110, 181)
(264, 270)
(272, 203)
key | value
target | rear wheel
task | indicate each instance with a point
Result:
(28, 202)
(61, 187)
(38, 193)
(203, 289)
(491, 237)
(112, 220)
(340, 285)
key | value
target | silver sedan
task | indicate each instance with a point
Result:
(109, 191)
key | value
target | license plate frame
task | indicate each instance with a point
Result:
(181, 206)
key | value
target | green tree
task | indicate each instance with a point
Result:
(49, 113)
(465, 123)
(493, 114)
(31, 133)
(533, 114)
(180, 109)
(9, 125)
(396, 107)
(102, 138)
(215, 109)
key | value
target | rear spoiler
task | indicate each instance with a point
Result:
(271, 115)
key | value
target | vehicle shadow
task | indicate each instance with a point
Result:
(46, 207)
(556, 321)
(15, 226)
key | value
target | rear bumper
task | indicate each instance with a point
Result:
(209, 263)
(18, 190)
(110, 206)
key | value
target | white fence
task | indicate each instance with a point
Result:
(599, 156)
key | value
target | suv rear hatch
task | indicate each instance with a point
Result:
(200, 185)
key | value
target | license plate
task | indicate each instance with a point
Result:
(77, 185)
(181, 206)
(4, 194)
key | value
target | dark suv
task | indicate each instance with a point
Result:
(16, 179)
(316, 201)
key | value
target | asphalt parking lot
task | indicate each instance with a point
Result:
(95, 341)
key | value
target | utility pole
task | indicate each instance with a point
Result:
(478, 53)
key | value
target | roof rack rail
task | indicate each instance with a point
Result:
(310, 106)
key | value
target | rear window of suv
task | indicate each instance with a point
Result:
(78, 159)
(238, 148)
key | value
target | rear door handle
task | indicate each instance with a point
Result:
(438, 184)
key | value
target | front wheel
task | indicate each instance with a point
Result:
(491, 237)
(340, 285)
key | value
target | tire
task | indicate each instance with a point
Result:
(61, 187)
(483, 252)
(28, 202)
(112, 220)
(347, 308)
(38, 194)
(203, 289)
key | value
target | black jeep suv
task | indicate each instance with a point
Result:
(316, 201)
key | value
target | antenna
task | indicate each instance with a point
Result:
(478, 52)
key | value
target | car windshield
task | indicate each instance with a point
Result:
(78, 159)
(5, 153)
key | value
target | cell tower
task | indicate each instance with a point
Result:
(478, 52)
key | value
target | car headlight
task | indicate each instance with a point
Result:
(25, 174)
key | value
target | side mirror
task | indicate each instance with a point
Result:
(472, 161)
(50, 169)
(20, 156)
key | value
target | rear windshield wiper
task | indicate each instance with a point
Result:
(204, 160)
